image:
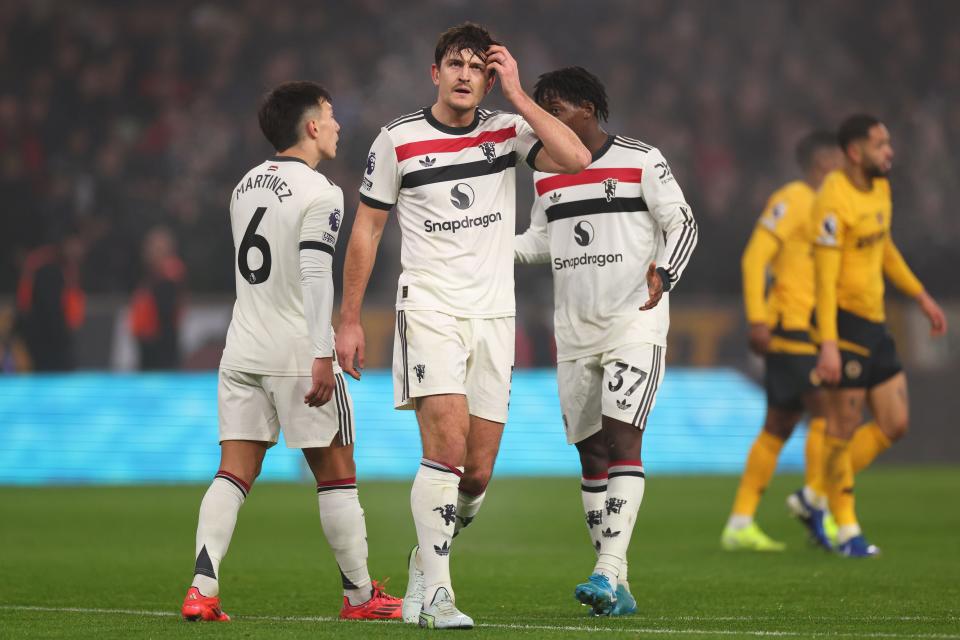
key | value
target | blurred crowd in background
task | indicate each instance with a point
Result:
(125, 125)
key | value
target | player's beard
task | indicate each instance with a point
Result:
(873, 171)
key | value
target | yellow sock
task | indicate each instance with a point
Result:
(867, 443)
(761, 463)
(838, 480)
(813, 455)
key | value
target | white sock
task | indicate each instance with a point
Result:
(593, 493)
(738, 521)
(818, 501)
(433, 501)
(218, 518)
(341, 517)
(847, 531)
(625, 483)
(467, 508)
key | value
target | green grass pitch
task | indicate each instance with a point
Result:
(115, 563)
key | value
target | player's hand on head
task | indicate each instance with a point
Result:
(936, 316)
(503, 63)
(759, 337)
(654, 286)
(828, 363)
(323, 383)
(350, 348)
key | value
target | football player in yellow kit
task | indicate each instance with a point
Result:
(858, 360)
(780, 331)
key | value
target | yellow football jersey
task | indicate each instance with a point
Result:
(856, 223)
(782, 240)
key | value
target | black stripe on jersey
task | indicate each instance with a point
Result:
(410, 117)
(683, 250)
(632, 143)
(375, 204)
(316, 244)
(458, 171)
(486, 113)
(595, 206)
(532, 155)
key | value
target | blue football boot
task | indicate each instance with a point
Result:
(858, 547)
(811, 517)
(597, 593)
(626, 604)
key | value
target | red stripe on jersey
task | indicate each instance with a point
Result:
(587, 176)
(448, 145)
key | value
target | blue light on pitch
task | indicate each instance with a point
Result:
(154, 428)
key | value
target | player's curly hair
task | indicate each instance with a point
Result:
(282, 110)
(469, 36)
(575, 85)
(809, 144)
(856, 127)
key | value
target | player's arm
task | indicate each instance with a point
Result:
(361, 254)
(672, 213)
(899, 273)
(760, 251)
(317, 246)
(379, 191)
(562, 150)
(826, 260)
(533, 245)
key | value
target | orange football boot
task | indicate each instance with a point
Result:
(197, 606)
(382, 606)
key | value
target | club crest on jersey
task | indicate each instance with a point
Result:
(610, 188)
(335, 219)
(489, 151)
(371, 162)
(554, 197)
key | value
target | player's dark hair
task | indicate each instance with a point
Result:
(809, 144)
(469, 36)
(856, 127)
(575, 85)
(282, 110)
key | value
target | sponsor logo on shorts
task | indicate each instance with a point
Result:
(853, 369)
(598, 259)
(465, 222)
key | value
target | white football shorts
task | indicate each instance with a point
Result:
(620, 384)
(435, 353)
(254, 406)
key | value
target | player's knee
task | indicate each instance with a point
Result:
(475, 481)
(897, 428)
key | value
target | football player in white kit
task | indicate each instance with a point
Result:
(448, 172)
(278, 367)
(618, 236)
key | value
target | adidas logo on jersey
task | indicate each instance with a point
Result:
(554, 197)
(427, 161)
(443, 550)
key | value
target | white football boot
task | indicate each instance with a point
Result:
(413, 600)
(441, 613)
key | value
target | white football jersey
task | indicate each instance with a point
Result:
(454, 190)
(600, 229)
(280, 207)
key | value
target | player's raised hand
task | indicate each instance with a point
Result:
(500, 61)
(322, 388)
(759, 337)
(930, 308)
(828, 363)
(350, 348)
(654, 286)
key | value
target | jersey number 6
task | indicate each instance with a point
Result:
(252, 239)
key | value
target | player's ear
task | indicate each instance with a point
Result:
(435, 74)
(491, 80)
(588, 110)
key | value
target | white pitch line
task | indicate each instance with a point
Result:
(534, 627)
